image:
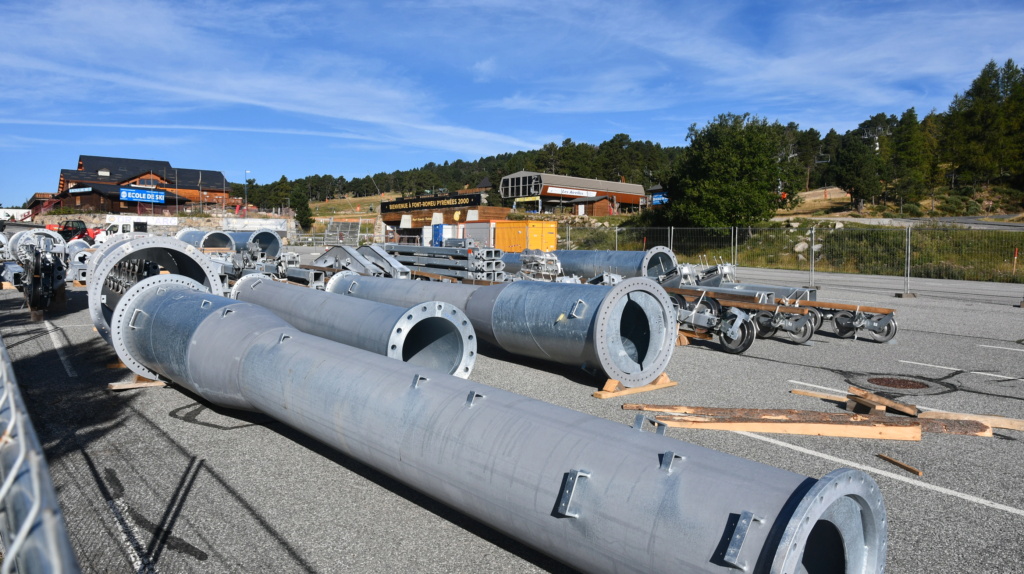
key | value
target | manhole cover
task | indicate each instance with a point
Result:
(897, 383)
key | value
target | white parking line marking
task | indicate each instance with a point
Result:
(815, 386)
(59, 347)
(887, 474)
(994, 375)
(1003, 348)
(934, 366)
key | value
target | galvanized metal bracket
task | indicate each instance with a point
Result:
(638, 424)
(471, 399)
(579, 305)
(568, 506)
(667, 459)
(417, 379)
(739, 533)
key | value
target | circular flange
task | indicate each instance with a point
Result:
(661, 254)
(122, 316)
(268, 240)
(106, 247)
(173, 255)
(621, 359)
(429, 313)
(849, 504)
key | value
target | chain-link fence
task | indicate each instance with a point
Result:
(937, 253)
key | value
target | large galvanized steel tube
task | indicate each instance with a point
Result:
(654, 263)
(431, 334)
(626, 331)
(206, 239)
(401, 292)
(267, 241)
(594, 494)
(16, 246)
(119, 264)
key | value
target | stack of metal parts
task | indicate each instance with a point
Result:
(472, 263)
(33, 535)
(592, 493)
(539, 266)
(38, 267)
(239, 253)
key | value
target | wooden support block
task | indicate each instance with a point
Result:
(696, 335)
(817, 395)
(6, 285)
(905, 467)
(856, 404)
(889, 403)
(990, 420)
(117, 365)
(613, 388)
(874, 427)
(681, 340)
(136, 383)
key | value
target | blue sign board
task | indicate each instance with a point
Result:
(146, 195)
(659, 198)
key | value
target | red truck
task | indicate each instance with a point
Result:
(75, 229)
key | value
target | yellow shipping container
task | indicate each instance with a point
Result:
(515, 236)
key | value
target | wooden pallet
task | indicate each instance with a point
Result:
(613, 388)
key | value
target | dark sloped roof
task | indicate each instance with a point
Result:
(123, 169)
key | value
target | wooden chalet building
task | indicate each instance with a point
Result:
(120, 185)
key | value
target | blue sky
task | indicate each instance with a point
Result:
(354, 88)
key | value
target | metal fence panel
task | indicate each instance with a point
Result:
(940, 253)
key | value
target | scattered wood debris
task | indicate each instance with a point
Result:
(904, 466)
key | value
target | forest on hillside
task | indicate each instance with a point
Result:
(739, 168)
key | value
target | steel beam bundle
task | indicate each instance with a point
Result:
(474, 263)
(120, 263)
(594, 494)
(626, 331)
(430, 334)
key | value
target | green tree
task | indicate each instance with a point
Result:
(730, 175)
(910, 161)
(856, 167)
(303, 215)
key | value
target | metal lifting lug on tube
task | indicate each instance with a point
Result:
(122, 262)
(626, 331)
(429, 334)
(592, 493)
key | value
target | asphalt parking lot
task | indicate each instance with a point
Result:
(157, 480)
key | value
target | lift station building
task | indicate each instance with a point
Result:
(551, 190)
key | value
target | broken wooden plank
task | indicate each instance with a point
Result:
(889, 403)
(771, 414)
(874, 428)
(817, 395)
(613, 388)
(856, 404)
(991, 420)
(902, 465)
(696, 335)
(964, 427)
